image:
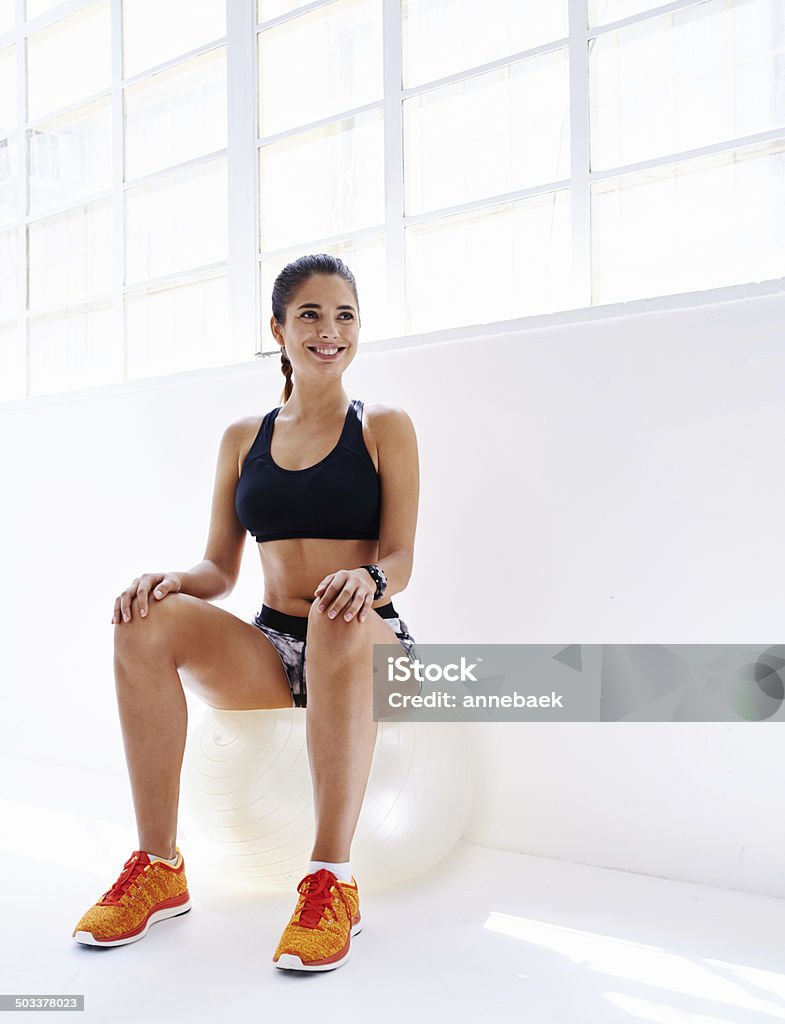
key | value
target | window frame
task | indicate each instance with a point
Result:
(247, 330)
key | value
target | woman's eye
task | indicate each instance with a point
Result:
(345, 313)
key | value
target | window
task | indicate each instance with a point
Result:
(160, 163)
(113, 256)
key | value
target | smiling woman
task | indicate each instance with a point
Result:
(329, 489)
(345, 314)
(348, 506)
(293, 495)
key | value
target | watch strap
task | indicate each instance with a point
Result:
(377, 575)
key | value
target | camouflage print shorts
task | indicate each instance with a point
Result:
(287, 634)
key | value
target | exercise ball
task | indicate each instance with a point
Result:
(246, 793)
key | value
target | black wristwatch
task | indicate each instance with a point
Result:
(378, 577)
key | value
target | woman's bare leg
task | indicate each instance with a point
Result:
(227, 662)
(154, 719)
(340, 730)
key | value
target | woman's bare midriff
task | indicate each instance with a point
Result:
(294, 567)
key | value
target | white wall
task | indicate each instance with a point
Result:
(601, 477)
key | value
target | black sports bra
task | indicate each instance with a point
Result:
(339, 497)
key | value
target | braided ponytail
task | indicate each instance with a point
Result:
(286, 370)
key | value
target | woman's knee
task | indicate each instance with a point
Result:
(337, 634)
(151, 629)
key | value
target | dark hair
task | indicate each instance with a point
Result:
(289, 280)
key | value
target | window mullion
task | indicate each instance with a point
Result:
(118, 176)
(242, 170)
(398, 323)
(580, 194)
(22, 161)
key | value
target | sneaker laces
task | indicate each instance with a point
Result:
(132, 868)
(316, 890)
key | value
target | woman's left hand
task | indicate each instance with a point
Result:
(349, 591)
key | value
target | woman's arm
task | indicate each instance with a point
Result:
(215, 576)
(350, 591)
(205, 580)
(399, 473)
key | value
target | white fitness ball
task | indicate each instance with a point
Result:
(246, 791)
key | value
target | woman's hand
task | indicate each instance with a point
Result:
(167, 583)
(349, 591)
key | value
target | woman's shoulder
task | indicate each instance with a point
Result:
(377, 412)
(242, 432)
(387, 420)
(243, 424)
(240, 427)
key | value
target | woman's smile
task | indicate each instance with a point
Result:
(327, 353)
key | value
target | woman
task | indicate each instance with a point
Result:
(329, 488)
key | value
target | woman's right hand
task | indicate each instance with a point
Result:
(164, 583)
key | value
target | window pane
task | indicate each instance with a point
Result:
(74, 351)
(13, 363)
(366, 259)
(176, 115)
(451, 281)
(36, 7)
(602, 12)
(7, 89)
(69, 60)
(9, 162)
(697, 224)
(320, 64)
(441, 37)
(346, 193)
(70, 255)
(178, 329)
(71, 157)
(8, 285)
(154, 32)
(268, 9)
(177, 221)
(7, 15)
(686, 79)
(473, 139)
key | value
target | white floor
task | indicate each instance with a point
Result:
(488, 935)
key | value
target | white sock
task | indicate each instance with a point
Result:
(342, 871)
(154, 857)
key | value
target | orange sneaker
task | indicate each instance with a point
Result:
(144, 893)
(319, 934)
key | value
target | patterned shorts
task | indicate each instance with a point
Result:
(287, 634)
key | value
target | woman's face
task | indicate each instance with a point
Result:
(322, 327)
